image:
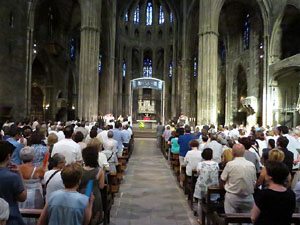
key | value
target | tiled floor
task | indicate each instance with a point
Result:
(149, 193)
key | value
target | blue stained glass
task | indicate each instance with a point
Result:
(149, 14)
(147, 69)
(161, 15)
(72, 49)
(136, 16)
(171, 70)
(100, 64)
(195, 66)
(247, 32)
(126, 16)
(171, 17)
(124, 69)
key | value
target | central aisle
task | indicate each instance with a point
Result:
(149, 193)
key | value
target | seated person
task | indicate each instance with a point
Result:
(67, 206)
(4, 211)
(276, 204)
(102, 160)
(193, 157)
(12, 188)
(52, 179)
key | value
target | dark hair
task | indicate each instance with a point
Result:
(176, 134)
(118, 125)
(204, 138)
(278, 171)
(6, 149)
(260, 135)
(207, 154)
(271, 142)
(14, 131)
(234, 126)
(71, 175)
(283, 141)
(187, 129)
(68, 131)
(283, 129)
(36, 138)
(246, 142)
(180, 131)
(194, 143)
(90, 156)
(230, 143)
(93, 133)
(78, 137)
(213, 137)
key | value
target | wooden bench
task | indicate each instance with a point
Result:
(209, 207)
(225, 219)
(31, 213)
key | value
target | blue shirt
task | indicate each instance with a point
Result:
(66, 207)
(127, 136)
(119, 137)
(39, 154)
(183, 142)
(11, 186)
(15, 158)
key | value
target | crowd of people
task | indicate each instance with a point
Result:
(49, 165)
(258, 167)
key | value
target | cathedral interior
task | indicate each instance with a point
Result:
(217, 61)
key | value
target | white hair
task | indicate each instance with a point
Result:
(4, 210)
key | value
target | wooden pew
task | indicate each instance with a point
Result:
(209, 207)
(225, 219)
(183, 179)
(31, 213)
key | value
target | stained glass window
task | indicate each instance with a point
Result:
(72, 49)
(161, 15)
(124, 69)
(247, 32)
(100, 63)
(136, 16)
(126, 16)
(195, 66)
(171, 70)
(147, 69)
(149, 14)
(171, 17)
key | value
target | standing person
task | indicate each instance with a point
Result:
(183, 142)
(67, 206)
(52, 139)
(282, 143)
(192, 157)
(216, 147)
(127, 136)
(276, 204)
(119, 137)
(40, 149)
(159, 131)
(239, 176)
(12, 188)
(4, 211)
(15, 134)
(67, 147)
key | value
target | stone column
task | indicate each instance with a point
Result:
(89, 54)
(128, 79)
(120, 80)
(175, 77)
(167, 82)
(207, 64)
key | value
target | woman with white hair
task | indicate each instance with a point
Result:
(4, 211)
(32, 178)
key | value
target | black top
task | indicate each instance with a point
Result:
(288, 158)
(276, 208)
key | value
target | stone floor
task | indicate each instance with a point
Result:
(149, 193)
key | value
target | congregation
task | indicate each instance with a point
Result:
(257, 167)
(49, 166)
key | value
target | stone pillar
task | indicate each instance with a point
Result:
(128, 79)
(175, 77)
(167, 82)
(207, 64)
(89, 54)
(120, 80)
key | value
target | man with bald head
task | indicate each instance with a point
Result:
(239, 176)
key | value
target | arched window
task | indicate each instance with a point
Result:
(195, 66)
(126, 16)
(171, 70)
(124, 69)
(72, 49)
(161, 15)
(147, 69)
(247, 32)
(136, 15)
(149, 14)
(100, 63)
(171, 17)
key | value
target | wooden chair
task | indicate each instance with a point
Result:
(31, 213)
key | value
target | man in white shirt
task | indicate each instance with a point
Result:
(192, 157)
(239, 176)
(234, 133)
(216, 147)
(67, 147)
(60, 134)
(102, 136)
(52, 178)
(110, 143)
